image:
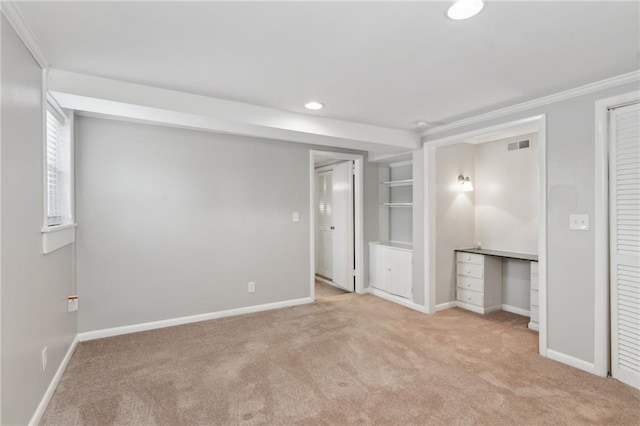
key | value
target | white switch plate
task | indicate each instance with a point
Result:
(579, 222)
(296, 217)
(72, 305)
(252, 287)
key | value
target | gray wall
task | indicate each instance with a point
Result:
(454, 214)
(34, 286)
(175, 222)
(570, 187)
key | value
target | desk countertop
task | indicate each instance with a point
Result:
(498, 253)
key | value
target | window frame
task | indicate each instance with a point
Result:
(58, 235)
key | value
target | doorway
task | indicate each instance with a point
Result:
(474, 274)
(336, 205)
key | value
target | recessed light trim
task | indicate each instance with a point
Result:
(465, 9)
(314, 105)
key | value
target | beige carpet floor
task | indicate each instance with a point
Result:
(347, 360)
(324, 290)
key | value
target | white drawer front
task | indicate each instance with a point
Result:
(470, 297)
(534, 282)
(534, 298)
(470, 270)
(534, 314)
(470, 283)
(476, 259)
(534, 268)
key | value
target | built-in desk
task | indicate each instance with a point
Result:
(479, 280)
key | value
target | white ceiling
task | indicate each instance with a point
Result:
(382, 63)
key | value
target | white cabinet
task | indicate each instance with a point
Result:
(390, 268)
(478, 282)
(535, 299)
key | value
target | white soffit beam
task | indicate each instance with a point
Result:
(137, 102)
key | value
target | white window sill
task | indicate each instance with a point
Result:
(55, 237)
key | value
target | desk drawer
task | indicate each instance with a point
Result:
(534, 298)
(470, 283)
(470, 270)
(470, 297)
(476, 259)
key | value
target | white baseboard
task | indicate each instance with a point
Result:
(44, 402)
(534, 326)
(572, 361)
(126, 329)
(396, 299)
(446, 305)
(516, 310)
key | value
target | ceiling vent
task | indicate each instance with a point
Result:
(518, 145)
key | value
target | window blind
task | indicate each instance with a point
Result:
(58, 169)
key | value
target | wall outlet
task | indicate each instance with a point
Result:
(252, 287)
(44, 358)
(72, 303)
(579, 222)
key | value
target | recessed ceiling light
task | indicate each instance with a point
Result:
(465, 9)
(314, 106)
(422, 124)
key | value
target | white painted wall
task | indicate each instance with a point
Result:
(176, 222)
(506, 209)
(34, 286)
(506, 196)
(455, 216)
(570, 186)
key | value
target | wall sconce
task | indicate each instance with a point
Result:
(465, 183)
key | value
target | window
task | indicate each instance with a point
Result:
(58, 168)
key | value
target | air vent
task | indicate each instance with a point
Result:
(513, 146)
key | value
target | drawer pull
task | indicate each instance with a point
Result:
(388, 269)
(468, 284)
(468, 297)
(468, 257)
(468, 271)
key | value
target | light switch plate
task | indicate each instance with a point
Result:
(296, 216)
(579, 222)
(72, 304)
(251, 287)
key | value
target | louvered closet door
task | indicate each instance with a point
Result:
(624, 203)
(324, 218)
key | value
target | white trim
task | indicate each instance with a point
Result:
(571, 361)
(533, 326)
(57, 228)
(15, 17)
(54, 239)
(536, 124)
(477, 309)
(546, 100)
(358, 214)
(516, 310)
(446, 305)
(46, 398)
(429, 229)
(153, 325)
(601, 229)
(395, 299)
(401, 163)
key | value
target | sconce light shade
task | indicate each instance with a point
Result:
(465, 183)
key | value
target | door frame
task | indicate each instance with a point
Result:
(536, 124)
(602, 338)
(358, 225)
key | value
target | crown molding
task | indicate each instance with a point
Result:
(15, 18)
(546, 100)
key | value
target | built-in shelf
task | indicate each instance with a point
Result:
(397, 204)
(394, 183)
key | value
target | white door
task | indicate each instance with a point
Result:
(624, 205)
(342, 227)
(324, 219)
